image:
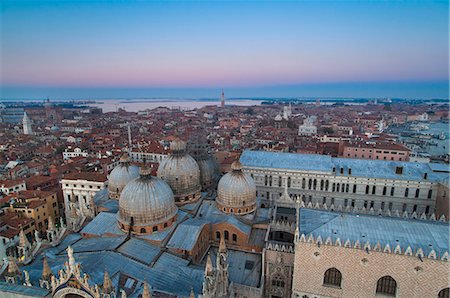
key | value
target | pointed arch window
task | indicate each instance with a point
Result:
(387, 286)
(444, 293)
(332, 277)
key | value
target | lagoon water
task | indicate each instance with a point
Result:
(135, 105)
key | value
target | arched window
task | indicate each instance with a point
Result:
(234, 237)
(226, 235)
(387, 286)
(444, 293)
(155, 229)
(217, 235)
(332, 277)
(142, 230)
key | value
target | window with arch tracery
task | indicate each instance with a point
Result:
(332, 277)
(444, 293)
(387, 286)
(278, 281)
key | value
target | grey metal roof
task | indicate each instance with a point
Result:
(103, 223)
(101, 196)
(96, 244)
(237, 270)
(139, 250)
(417, 234)
(186, 234)
(171, 274)
(324, 163)
(289, 161)
(15, 289)
(210, 213)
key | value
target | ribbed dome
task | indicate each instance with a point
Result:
(208, 172)
(148, 200)
(198, 149)
(182, 173)
(120, 176)
(236, 192)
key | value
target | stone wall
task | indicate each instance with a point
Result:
(361, 271)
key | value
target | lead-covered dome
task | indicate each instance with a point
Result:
(236, 192)
(198, 149)
(146, 204)
(182, 173)
(120, 176)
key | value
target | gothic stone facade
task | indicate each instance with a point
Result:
(361, 271)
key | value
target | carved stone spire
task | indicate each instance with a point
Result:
(209, 269)
(221, 280)
(222, 246)
(13, 275)
(297, 221)
(46, 272)
(13, 269)
(146, 292)
(23, 240)
(107, 284)
(286, 197)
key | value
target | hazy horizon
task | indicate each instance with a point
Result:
(425, 90)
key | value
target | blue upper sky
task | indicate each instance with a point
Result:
(164, 48)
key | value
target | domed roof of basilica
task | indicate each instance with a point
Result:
(146, 201)
(198, 149)
(180, 171)
(236, 192)
(208, 171)
(121, 175)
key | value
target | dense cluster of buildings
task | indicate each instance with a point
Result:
(220, 202)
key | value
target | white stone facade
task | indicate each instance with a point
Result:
(346, 190)
(137, 156)
(75, 153)
(81, 192)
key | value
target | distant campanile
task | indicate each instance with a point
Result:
(222, 99)
(26, 125)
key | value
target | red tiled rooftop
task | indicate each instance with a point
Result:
(89, 176)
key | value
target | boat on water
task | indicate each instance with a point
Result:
(419, 127)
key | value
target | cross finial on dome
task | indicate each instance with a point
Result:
(145, 171)
(124, 158)
(236, 165)
(178, 146)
